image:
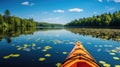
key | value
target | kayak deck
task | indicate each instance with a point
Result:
(79, 57)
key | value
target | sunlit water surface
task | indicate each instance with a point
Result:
(49, 48)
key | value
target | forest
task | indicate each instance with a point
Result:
(45, 24)
(106, 19)
(7, 20)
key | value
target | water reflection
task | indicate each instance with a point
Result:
(7, 33)
(47, 47)
(106, 34)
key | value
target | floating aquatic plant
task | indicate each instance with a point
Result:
(44, 50)
(57, 42)
(33, 45)
(58, 64)
(19, 48)
(104, 64)
(64, 52)
(41, 59)
(25, 45)
(116, 58)
(118, 48)
(47, 55)
(47, 47)
(112, 53)
(11, 55)
(6, 57)
(14, 55)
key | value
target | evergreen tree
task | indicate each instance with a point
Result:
(106, 19)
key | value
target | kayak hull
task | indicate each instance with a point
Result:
(79, 57)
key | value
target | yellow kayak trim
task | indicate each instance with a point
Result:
(79, 57)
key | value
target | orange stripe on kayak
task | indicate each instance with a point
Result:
(79, 57)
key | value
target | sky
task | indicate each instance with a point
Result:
(58, 11)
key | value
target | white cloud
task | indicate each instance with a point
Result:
(100, 0)
(116, 1)
(26, 3)
(76, 10)
(59, 11)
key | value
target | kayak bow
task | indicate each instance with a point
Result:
(79, 57)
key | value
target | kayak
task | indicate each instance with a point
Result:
(79, 57)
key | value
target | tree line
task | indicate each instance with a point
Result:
(106, 19)
(7, 20)
(44, 24)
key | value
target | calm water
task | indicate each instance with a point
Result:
(30, 46)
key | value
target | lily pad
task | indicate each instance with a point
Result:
(41, 59)
(116, 58)
(106, 65)
(117, 65)
(33, 45)
(6, 57)
(11, 55)
(14, 55)
(47, 55)
(64, 52)
(112, 53)
(47, 47)
(44, 50)
(25, 46)
(58, 64)
(102, 62)
(19, 48)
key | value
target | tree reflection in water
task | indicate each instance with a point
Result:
(7, 33)
(106, 34)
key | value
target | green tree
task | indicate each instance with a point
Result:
(17, 22)
(7, 13)
(106, 19)
(1, 19)
(7, 16)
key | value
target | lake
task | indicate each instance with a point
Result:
(44, 47)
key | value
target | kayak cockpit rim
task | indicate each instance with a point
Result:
(79, 55)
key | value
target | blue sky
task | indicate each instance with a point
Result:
(58, 11)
